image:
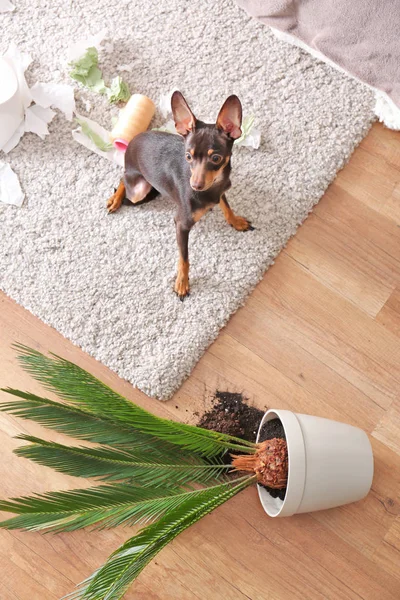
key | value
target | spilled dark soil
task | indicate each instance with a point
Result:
(232, 415)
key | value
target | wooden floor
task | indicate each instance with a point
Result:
(320, 335)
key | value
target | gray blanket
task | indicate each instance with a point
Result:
(360, 36)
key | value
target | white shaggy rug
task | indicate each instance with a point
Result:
(105, 281)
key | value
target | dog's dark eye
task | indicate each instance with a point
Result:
(188, 156)
(216, 158)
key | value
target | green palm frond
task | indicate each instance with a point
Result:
(104, 506)
(111, 464)
(74, 384)
(112, 580)
(81, 424)
(154, 468)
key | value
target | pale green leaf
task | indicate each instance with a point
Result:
(118, 91)
(86, 71)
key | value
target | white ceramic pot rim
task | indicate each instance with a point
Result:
(297, 466)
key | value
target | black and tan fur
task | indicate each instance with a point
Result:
(193, 169)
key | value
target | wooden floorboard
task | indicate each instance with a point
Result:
(321, 335)
(389, 315)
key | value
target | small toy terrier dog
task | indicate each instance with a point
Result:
(193, 169)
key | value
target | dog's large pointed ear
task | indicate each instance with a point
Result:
(185, 121)
(230, 117)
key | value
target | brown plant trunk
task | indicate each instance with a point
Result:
(269, 463)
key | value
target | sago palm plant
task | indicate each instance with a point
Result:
(157, 473)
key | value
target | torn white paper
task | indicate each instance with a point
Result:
(20, 61)
(57, 95)
(6, 6)
(37, 118)
(14, 139)
(108, 47)
(251, 140)
(16, 96)
(251, 136)
(10, 189)
(164, 103)
(11, 107)
(169, 127)
(114, 155)
(87, 104)
(128, 68)
(78, 49)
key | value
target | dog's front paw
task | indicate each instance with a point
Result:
(114, 203)
(182, 287)
(241, 224)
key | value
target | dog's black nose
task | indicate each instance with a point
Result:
(198, 186)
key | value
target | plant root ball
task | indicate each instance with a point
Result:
(269, 463)
(272, 463)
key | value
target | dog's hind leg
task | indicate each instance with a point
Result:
(134, 189)
(137, 188)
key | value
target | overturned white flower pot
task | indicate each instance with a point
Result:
(330, 464)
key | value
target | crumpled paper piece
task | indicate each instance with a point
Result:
(14, 139)
(113, 155)
(6, 6)
(57, 95)
(10, 189)
(20, 61)
(164, 103)
(78, 48)
(251, 136)
(128, 68)
(37, 116)
(168, 127)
